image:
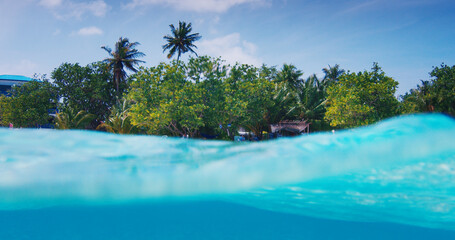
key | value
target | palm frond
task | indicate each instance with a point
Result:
(180, 41)
(124, 56)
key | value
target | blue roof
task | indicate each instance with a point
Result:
(15, 78)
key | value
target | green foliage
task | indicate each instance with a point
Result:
(361, 99)
(4, 101)
(435, 95)
(257, 93)
(165, 102)
(29, 104)
(119, 120)
(284, 104)
(69, 119)
(290, 76)
(188, 99)
(180, 41)
(196, 98)
(209, 76)
(442, 90)
(86, 88)
(311, 100)
(413, 102)
(331, 75)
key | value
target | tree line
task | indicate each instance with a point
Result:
(204, 97)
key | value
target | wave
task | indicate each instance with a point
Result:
(401, 170)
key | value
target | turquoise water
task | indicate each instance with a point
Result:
(393, 180)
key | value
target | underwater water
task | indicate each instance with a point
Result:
(391, 180)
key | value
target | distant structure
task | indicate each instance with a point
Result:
(290, 128)
(7, 81)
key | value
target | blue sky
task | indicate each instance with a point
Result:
(406, 37)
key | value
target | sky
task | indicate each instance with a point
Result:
(406, 37)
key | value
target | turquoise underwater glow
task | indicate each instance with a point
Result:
(399, 171)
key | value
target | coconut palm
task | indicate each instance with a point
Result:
(311, 100)
(331, 74)
(124, 56)
(181, 40)
(290, 76)
(283, 104)
(69, 119)
(119, 121)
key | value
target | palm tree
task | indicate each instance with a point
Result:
(311, 100)
(119, 121)
(332, 74)
(69, 119)
(124, 56)
(290, 76)
(180, 41)
(284, 102)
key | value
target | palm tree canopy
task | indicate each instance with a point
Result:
(124, 56)
(181, 40)
(119, 121)
(290, 75)
(311, 100)
(332, 74)
(72, 120)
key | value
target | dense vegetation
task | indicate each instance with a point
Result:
(204, 97)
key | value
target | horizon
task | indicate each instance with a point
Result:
(407, 38)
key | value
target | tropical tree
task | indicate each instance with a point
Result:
(361, 98)
(69, 119)
(209, 75)
(413, 102)
(124, 56)
(434, 95)
(331, 74)
(283, 106)
(442, 89)
(181, 40)
(311, 101)
(3, 105)
(119, 121)
(166, 102)
(290, 76)
(204, 97)
(29, 105)
(86, 88)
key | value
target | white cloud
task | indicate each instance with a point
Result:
(50, 3)
(64, 9)
(88, 31)
(97, 8)
(230, 48)
(197, 5)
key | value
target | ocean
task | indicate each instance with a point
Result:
(391, 180)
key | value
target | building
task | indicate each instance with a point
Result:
(290, 128)
(7, 81)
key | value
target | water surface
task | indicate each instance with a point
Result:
(389, 179)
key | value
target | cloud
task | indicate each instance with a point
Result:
(50, 3)
(197, 5)
(230, 48)
(89, 31)
(65, 9)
